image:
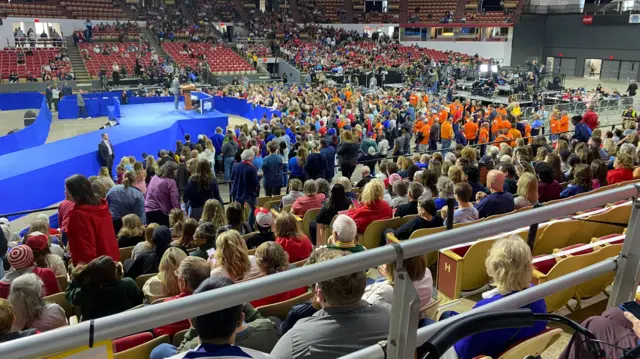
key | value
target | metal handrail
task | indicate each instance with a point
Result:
(131, 322)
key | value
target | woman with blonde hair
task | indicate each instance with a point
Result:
(231, 258)
(455, 174)
(209, 153)
(141, 177)
(165, 283)
(509, 265)
(132, 231)
(152, 168)
(541, 154)
(296, 164)
(271, 258)
(294, 242)
(105, 178)
(213, 212)
(146, 245)
(527, 191)
(124, 199)
(177, 217)
(622, 169)
(373, 207)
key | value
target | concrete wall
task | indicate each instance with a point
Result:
(292, 73)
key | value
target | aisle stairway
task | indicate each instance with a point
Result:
(145, 33)
(293, 6)
(79, 69)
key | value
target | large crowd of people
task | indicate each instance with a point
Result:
(356, 154)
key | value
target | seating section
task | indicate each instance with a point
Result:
(31, 10)
(219, 10)
(221, 59)
(461, 268)
(96, 9)
(123, 58)
(391, 16)
(489, 16)
(430, 11)
(33, 64)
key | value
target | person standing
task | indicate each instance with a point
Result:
(105, 150)
(175, 88)
(49, 96)
(348, 153)
(229, 149)
(272, 171)
(329, 153)
(82, 111)
(55, 97)
(590, 118)
(245, 183)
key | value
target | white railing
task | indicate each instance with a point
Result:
(403, 331)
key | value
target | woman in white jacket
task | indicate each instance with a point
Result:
(381, 292)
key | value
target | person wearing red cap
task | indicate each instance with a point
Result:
(21, 260)
(264, 219)
(43, 258)
(88, 224)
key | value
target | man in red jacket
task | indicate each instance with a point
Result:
(88, 223)
(590, 118)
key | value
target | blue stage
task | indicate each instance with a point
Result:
(34, 178)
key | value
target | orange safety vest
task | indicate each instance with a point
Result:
(413, 100)
(564, 124)
(515, 134)
(555, 125)
(442, 116)
(426, 130)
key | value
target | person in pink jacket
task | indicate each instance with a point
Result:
(311, 199)
(162, 194)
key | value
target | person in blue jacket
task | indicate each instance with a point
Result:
(582, 132)
(329, 152)
(245, 183)
(582, 181)
(509, 264)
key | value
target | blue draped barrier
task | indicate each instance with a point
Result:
(39, 181)
(20, 101)
(33, 135)
(240, 107)
(95, 104)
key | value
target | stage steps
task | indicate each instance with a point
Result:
(78, 66)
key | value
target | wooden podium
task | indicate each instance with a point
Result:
(186, 92)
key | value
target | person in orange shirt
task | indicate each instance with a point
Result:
(555, 125)
(483, 137)
(503, 136)
(496, 126)
(564, 122)
(424, 141)
(413, 100)
(446, 134)
(501, 110)
(470, 130)
(514, 134)
(442, 115)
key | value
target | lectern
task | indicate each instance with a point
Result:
(186, 92)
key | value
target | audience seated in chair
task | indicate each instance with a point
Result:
(381, 292)
(509, 264)
(31, 312)
(288, 235)
(373, 206)
(43, 258)
(100, 289)
(498, 201)
(415, 191)
(264, 220)
(148, 262)
(427, 218)
(190, 274)
(271, 259)
(344, 235)
(7, 317)
(165, 283)
(329, 332)
(222, 333)
(21, 260)
(311, 199)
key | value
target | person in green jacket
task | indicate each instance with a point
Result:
(99, 289)
(205, 239)
(344, 235)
